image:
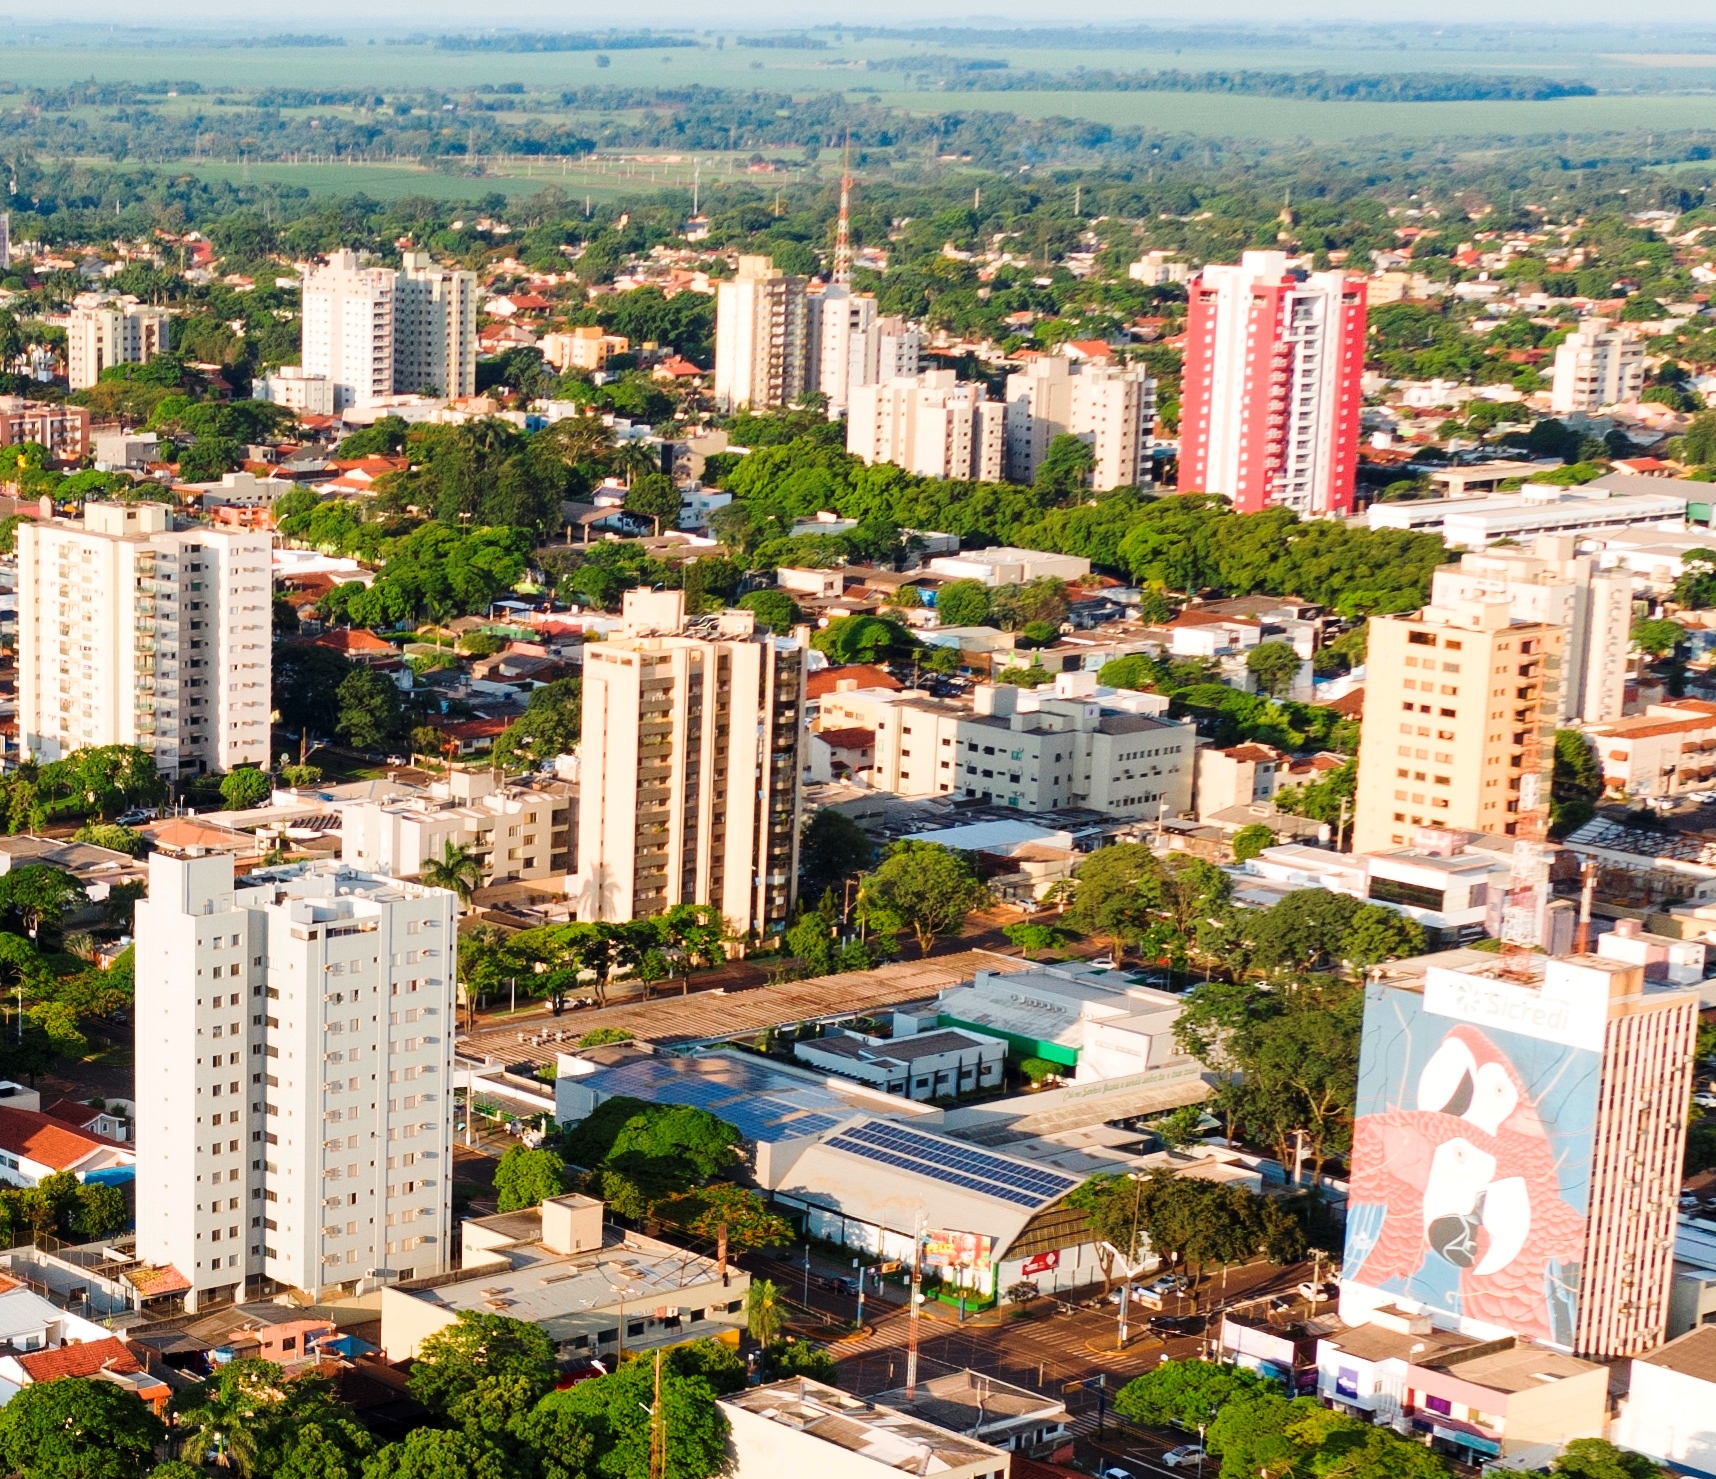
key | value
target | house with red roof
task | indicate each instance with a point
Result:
(108, 1359)
(358, 645)
(103, 1123)
(34, 1146)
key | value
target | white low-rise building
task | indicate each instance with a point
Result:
(938, 1064)
(1005, 565)
(1616, 502)
(800, 1427)
(1669, 1412)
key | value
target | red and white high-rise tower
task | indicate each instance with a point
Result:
(1271, 392)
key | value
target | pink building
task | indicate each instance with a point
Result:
(1271, 391)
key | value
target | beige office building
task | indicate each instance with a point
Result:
(1552, 582)
(1453, 696)
(933, 424)
(1597, 365)
(1112, 409)
(689, 767)
(132, 632)
(104, 334)
(434, 329)
(761, 338)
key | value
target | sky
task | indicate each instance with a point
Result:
(581, 14)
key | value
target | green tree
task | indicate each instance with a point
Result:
(789, 1358)
(307, 682)
(1248, 842)
(74, 1429)
(619, 1412)
(1274, 666)
(653, 495)
(924, 888)
(246, 1412)
(208, 458)
(1597, 1458)
(1066, 467)
(774, 610)
(810, 941)
(1185, 1393)
(1134, 671)
(483, 1370)
(111, 836)
(370, 715)
(36, 895)
(831, 849)
(1377, 934)
(550, 725)
(962, 603)
(1656, 637)
(763, 1313)
(862, 639)
(246, 787)
(704, 1211)
(436, 1453)
(527, 1178)
(100, 1211)
(1576, 783)
(1030, 937)
(458, 870)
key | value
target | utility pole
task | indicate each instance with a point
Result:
(912, 1318)
(657, 1430)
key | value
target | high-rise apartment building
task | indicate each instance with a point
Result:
(1458, 702)
(112, 332)
(1596, 365)
(294, 1077)
(842, 339)
(689, 767)
(1552, 582)
(761, 337)
(132, 632)
(1517, 1149)
(932, 424)
(434, 329)
(348, 328)
(1271, 394)
(1110, 408)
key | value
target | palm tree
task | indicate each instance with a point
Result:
(763, 1311)
(457, 870)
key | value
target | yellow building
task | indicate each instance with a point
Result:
(1453, 695)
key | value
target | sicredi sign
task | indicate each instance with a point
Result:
(1570, 1007)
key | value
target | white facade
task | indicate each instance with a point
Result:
(1155, 268)
(1669, 1413)
(932, 424)
(294, 1076)
(111, 333)
(1110, 408)
(1596, 366)
(348, 328)
(761, 337)
(1008, 565)
(296, 389)
(842, 344)
(434, 329)
(1553, 583)
(133, 633)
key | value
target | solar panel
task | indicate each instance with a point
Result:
(958, 1165)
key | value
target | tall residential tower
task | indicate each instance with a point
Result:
(761, 337)
(689, 767)
(1271, 391)
(348, 328)
(131, 632)
(294, 1077)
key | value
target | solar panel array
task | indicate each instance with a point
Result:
(957, 1165)
(759, 1104)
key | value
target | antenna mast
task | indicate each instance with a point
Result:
(843, 235)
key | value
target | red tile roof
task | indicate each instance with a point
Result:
(153, 1280)
(47, 1141)
(73, 1112)
(79, 1360)
(827, 680)
(355, 639)
(848, 739)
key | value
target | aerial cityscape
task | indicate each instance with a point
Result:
(759, 746)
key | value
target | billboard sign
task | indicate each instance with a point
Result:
(1472, 1148)
(950, 1250)
(1040, 1263)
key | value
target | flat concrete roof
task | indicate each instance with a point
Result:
(892, 1439)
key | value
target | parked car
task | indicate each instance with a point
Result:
(1185, 1454)
(137, 818)
(1118, 1474)
(845, 1285)
(1177, 1324)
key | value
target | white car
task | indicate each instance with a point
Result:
(1185, 1454)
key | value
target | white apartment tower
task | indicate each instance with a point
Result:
(1553, 583)
(841, 326)
(1596, 365)
(348, 328)
(102, 334)
(434, 329)
(131, 632)
(1110, 408)
(689, 767)
(294, 1077)
(761, 337)
(932, 424)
